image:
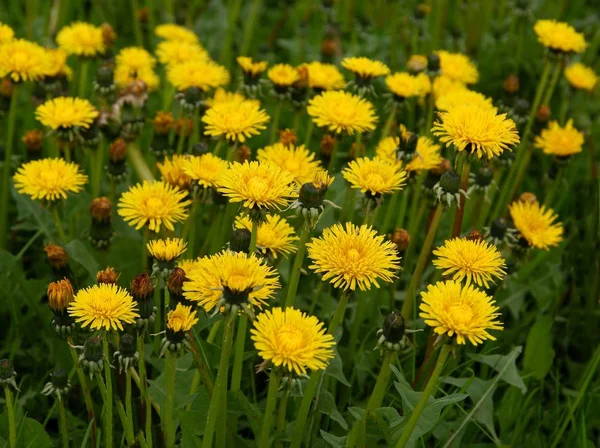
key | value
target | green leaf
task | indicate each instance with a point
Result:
(33, 435)
(182, 396)
(78, 252)
(539, 353)
(476, 389)
(336, 369)
(499, 364)
(237, 400)
(326, 405)
(334, 441)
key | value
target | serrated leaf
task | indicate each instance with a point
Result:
(335, 441)
(499, 364)
(539, 353)
(326, 405)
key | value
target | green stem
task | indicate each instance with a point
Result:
(8, 151)
(556, 187)
(87, 397)
(136, 159)
(64, 430)
(275, 124)
(407, 306)
(309, 131)
(10, 411)
(295, 278)
(359, 315)
(430, 108)
(58, 223)
(431, 384)
(83, 72)
(281, 421)
(97, 170)
(388, 124)
(137, 29)
(333, 154)
(29, 243)
(108, 408)
(460, 207)
(128, 408)
(141, 347)
(250, 22)
(402, 211)
(274, 380)
(180, 140)
(170, 373)
(389, 213)
(218, 410)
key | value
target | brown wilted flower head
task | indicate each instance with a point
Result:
(101, 209)
(57, 256)
(175, 281)
(108, 35)
(543, 113)
(511, 84)
(444, 166)
(329, 47)
(108, 275)
(287, 137)
(401, 238)
(33, 139)
(117, 150)
(327, 144)
(60, 294)
(163, 122)
(302, 82)
(475, 235)
(6, 87)
(244, 153)
(184, 125)
(528, 197)
(142, 14)
(142, 287)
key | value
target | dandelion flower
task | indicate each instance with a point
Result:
(257, 185)
(188, 264)
(57, 63)
(461, 311)
(365, 68)
(6, 33)
(402, 85)
(205, 169)
(292, 339)
(427, 155)
(559, 36)
(237, 276)
(181, 319)
(81, 39)
(173, 52)
(222, 96)
(49, 179)
(477, 129)
(167, 249)
(296, 160)
(173, 171)
(443, 85)
(558, 141)
(342, 112)
(153, 204)
(202, 73)
(60, 295)
(352, 256)
(251, 68)
(169, 31)
(458, 67)
(274, 236)
(22, 60)
(104, 306)
(64, 113)
(235, 121)
(323, 76)
(133, 63)
(536, 224)
(283, 75)
(463, 258)
(581, 76)
(374, 176)
(459, 97)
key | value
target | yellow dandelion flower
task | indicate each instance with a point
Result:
(169, 31)
(57, 63)
(173, 52)
(458, 67)
(283, 75)
(6, 33)
(153, 204)
(22, 60)
(181, 319)
(202, 73)
(135, 58)
(322, 179)
(402, 84)
(352, 256)
(443, 85)
(103, 306)
(323, 76)
(124, 77)
(257, 185)
(461, 311)
(476, 129)
(274, 235)
(65, 113)
(417, 63)
(296, 160)
(235, 274)
(476, 261)
(236, 121)
(167, 249)
(222, 96)
(188, 264)
(581, 76)
(205, 169)
(81, 39)
(173, 171)
(365, 68)
(459, 97)
(374, 176)
(428, 154)
(559, 36)
(536, 224)
(422, 85)
(251, 68)
(558, 141)
(292, 339)
(342, 112)
(49, 179)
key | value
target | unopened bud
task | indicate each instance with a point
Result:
(108, 35)
(401, 238)
(543, 113)
(163, 122)
(142, 287)
(57, 256)
(475, 235)
(433, 62)
(528, 197)
(450, 182)
(117, 150)
(33, 139)
(394, 327)
(327, 144)
(175, 281)
(240, 240)
(511, 84)
(287, 137)
(60, 295)
(108, 275)
(101, 209)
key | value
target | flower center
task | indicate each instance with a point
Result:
(461, 313)
(374, 181)
(353, 255)
(290, 338)
(258, 187)
(154, 206)
(49, 177)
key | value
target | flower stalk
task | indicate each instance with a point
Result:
(8, 151)
(297, 267)
(170, 373)
(108, 406)
(274, 380)
(10, 411)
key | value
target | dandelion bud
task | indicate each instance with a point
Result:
(450, 181)
(200, 148)
(327, 144)
(192, 98)
(163, 122)
(528, 197)
(448, 189)
(498, 228)
(475, 235)
(116, 167)
(105, 79)
(6, 88)
(175, 287)
(329, 48)
(243, 153)
(240, 240)
(416, 64)
(7, 373)
(60, 294)
(393, 327)
(302, 82)
(501, 233)
(108, 35)
(127, 355)
(407, 146)
(287, 137)
(484, 176)
(543, 113)
(101, 209)
(183, 127)
(57, 256)
(101, 231)
(142, 288)
(60, 379)
(511, 84)
(108, 275)
(91, 359)
(433, 63)
(32, 140)
(401, 238)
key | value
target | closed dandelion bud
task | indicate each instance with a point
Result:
(433, 63)
(302, 82)
(327, 144)
(108, 275)
(32, 140)
(244, 153)
(448, 189)
(183, 127)
(104, 83)
(416, 64)
(500, 233)
(311, 196)
(117, 166)
(311, 199)
(329, 48)
(391, 336)
(57, 257)
(60, 294)
(475, 235)
(407, 146)
(543, 113)
(484, 176)
(200, 148)
(498, 228)
(101, 231)
(511, 84)
(7, 373)
(108, 35)
(401, 238)
(287, 137)
(91, 358)
(142, 291)
(90, 137)
(175, 287)
(127, 355)
(528, 197)
(101, 209)
(163, 122)
(240, 240)
(59, 384)
(450, 182)
(191, 98)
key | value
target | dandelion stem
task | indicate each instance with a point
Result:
(295, 278)
(143, 385)
(281, 421)
(416, 414)
(87, 397)
(309, 131)
(250, 25)
(556, 187)
(389, 213)
(108, 408)
(407, 306)
(136, 159)
(170, 373)
(218, 404)
(128, 408)
(202, 367)
(58, 223)
(64, 430)
(460, 208)
(274, 380)
(10, 411)
(137, 29)
(8, 151)
(83, 72)
(388, 124)
(97, 169)
(275, 124)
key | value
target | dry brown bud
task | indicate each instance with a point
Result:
(475, 235)
(327, 144)
(163, 122)
(117, 150)
(511, 84)
(329, 47)
(101, 209)
(142, 287)
(57, 256)
(108, 275)
(33, 139)
(287, 137)
(244, 153)
(175, 281)
(543, 113)
(401, 238)
(528, 197)
(108, 35)
(60, 294)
